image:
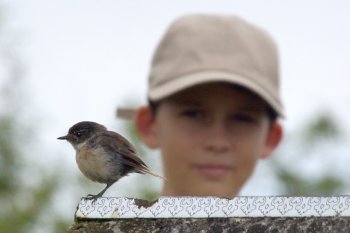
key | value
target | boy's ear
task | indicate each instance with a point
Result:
(273, 139)
(144, 122)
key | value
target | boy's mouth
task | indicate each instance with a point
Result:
(212, 171)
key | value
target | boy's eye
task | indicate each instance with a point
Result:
(192, 113)
(244, 118)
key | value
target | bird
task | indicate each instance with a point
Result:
(104, 156)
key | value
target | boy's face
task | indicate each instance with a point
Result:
(210, 137)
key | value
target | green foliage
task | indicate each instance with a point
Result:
(296, 185)
(24, 199)
(323, 126)
(322, 130)
(8, 159)
(22, 204)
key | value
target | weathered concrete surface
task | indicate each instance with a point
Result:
(247, 225)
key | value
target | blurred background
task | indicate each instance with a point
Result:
(65, 61)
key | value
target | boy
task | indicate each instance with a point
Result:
(213, 104)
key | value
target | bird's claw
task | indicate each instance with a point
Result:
(92, 197)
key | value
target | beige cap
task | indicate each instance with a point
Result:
(201, 48)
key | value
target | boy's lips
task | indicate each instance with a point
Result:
(213, 171)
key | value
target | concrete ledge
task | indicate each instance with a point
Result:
(211, 214)
(214, 207)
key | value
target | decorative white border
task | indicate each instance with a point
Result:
(214, 207)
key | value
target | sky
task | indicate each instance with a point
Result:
(83, 58)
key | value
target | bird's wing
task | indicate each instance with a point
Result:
(121, 146)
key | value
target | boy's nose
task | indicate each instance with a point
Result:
(217, 138)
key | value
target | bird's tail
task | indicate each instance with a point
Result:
(147, 171)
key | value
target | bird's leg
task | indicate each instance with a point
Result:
(94, 197)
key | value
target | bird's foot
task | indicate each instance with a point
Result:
(95, 197)
(92, 197)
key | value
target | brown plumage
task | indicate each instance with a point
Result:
(104, 156)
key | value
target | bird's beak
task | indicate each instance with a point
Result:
(63, 137)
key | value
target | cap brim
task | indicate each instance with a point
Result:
(184, 82)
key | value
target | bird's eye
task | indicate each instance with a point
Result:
(78, 134)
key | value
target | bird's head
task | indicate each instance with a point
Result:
(81, 132)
